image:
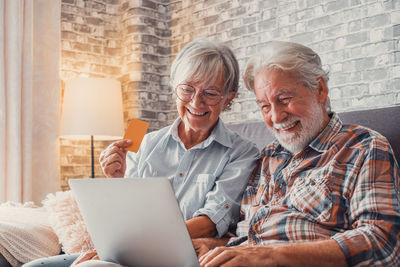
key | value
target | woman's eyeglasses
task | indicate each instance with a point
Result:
(210, 97)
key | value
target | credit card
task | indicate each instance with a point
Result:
(135, 132)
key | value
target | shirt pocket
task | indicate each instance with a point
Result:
(312, 197)
(197, 189)
(194, 194)
(200, 186)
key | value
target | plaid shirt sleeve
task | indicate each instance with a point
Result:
(374, 210)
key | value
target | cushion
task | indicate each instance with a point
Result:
(25, 234)
(67, 222)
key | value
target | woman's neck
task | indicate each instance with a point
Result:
(190, 137)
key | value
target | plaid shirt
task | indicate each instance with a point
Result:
(344, 186)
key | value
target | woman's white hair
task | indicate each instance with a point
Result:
(294, 58)
(205, 61)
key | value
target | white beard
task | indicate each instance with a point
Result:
(311, 126)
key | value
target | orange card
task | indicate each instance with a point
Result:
(135, 132)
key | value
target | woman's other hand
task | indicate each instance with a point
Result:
(113, 159)
(204, 245)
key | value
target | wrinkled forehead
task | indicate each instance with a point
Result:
(275, 77)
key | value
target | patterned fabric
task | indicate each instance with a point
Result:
(344, 186)
(25, 233)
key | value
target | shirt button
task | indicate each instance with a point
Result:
(180, 174)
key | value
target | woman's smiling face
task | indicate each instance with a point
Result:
(196, 115)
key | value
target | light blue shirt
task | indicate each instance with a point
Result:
(208, 179)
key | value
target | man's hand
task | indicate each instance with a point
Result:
(113, 159)
(240, 256)
(203, 245)
(326, 253)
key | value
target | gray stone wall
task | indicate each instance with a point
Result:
(135, 42)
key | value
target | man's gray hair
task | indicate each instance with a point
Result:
(205, 61)
(294, 58)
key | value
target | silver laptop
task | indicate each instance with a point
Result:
(134, 222)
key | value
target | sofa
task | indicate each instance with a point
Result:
(384, 120)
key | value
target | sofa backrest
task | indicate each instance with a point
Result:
(383, 120)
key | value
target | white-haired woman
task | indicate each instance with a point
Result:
(208, 164)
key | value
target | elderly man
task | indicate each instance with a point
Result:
(324, 194)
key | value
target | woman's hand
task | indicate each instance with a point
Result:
(204, 245)
(113, 159)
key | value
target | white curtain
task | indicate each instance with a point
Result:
(29, 98)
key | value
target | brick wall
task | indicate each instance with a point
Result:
(357, 40)
(135, 41)
(90, 46)
(145, 61)
(121, 39)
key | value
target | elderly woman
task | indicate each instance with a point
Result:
(208, 164)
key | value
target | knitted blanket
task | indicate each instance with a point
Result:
(25, 233)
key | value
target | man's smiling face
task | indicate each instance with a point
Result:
(292, 112)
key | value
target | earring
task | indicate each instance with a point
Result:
(228, 107)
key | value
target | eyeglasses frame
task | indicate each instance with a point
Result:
(201, 94)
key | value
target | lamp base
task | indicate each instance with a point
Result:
(92, 151)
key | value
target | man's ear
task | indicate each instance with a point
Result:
(322, 90)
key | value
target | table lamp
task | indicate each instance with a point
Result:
(92, 107)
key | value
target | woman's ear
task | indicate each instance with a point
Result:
(229, 99)
(322, 90)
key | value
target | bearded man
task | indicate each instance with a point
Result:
(324, 194)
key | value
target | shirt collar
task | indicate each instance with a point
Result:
(324, 140)
(220, 134)
(173, 130)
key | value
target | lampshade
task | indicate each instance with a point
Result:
(92, 107)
